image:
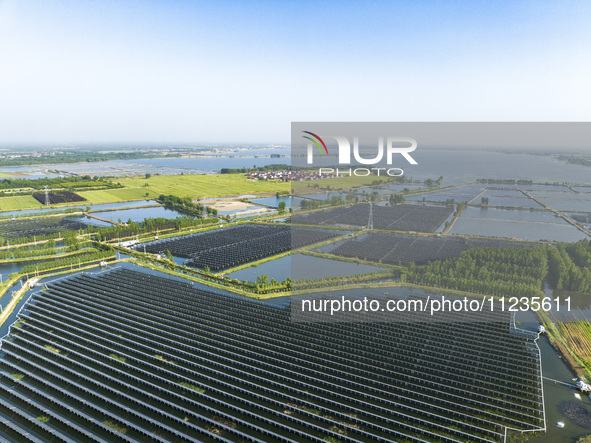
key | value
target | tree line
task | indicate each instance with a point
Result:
(274, 167)
(509, 271)
(187, 205)
(56, 182)
(90, 256)
(147, 226)
(79, 156)
(570, 266)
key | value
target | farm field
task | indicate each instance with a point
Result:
(122, 194)
(203, 185)
(578, 337)
(187, 185)
(19, 202)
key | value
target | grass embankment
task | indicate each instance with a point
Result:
(55, 272)
(351, 260)
(229, 288)
(59, 253)
(14, 301)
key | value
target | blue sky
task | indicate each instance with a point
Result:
(215, 72)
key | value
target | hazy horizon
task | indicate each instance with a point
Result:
(224, 72)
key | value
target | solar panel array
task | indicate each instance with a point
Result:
(224, 248)
(129, 356)
(406, 217)
(38, 226)
(399, 249)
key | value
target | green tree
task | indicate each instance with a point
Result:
(281, 207)
(263, 280)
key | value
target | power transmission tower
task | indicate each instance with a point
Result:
(370, 221)
(46, 196)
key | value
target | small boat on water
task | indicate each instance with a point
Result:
(560, 424)
(577, 396)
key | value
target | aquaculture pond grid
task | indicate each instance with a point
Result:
(131, 356)
(406, 217)
(224, 248)
(399, 249)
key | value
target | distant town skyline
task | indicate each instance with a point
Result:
(227, 72)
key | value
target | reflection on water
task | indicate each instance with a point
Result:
(137, 215)
(512, 214)
(302, 266)
(273, 202)
(529, 231)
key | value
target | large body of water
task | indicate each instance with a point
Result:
(138, 214)
(462, 166)
(456, 166)
(529, 231)
(165, 166)
(302, 266)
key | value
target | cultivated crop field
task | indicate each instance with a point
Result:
(186, 185)
(406, 217)
(115, 195)
(141, 357)
(224, 248)
(20, 202)
(204, 185)
(578, 337)
(400, 249)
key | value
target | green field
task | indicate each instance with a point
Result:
(187, 185)
(20, 202)
(199, 185)
(114, 195)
